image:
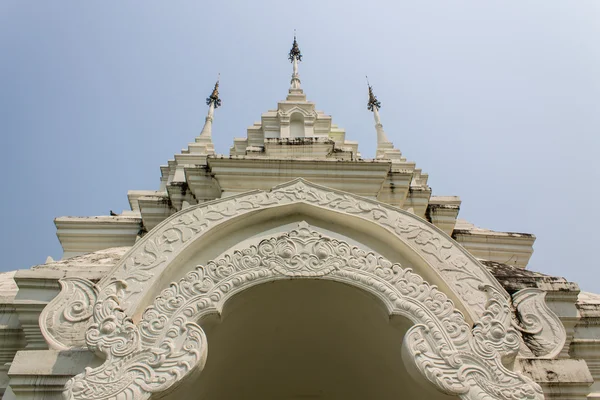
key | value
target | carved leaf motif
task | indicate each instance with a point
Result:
(542, 331)
(190, 225)
(171, 235)
(458, 269)
(64, 320)
(379, 213)
(173, 303)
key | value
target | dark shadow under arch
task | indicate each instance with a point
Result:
(304, 339)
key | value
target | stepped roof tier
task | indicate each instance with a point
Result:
(292, 141)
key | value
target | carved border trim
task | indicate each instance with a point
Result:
(145, 262)
(167, 344)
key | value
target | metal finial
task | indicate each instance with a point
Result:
(214, 97)
(373, 102)
(295, 51)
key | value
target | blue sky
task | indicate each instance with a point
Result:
(499, 101)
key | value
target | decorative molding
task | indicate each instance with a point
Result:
(133, 371)
(167, 344)
(65, 319)
(542, 331)
(303, 253)
(473, 369)
(150, 256)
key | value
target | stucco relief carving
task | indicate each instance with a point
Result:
(64, 320)
(131, 370)
(150, 256)
(167, 344)
(303, 253)
(542, 331)
(474, 369)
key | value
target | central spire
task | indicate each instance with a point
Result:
(213, 101)
(295, 57)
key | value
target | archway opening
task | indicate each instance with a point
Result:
(305, 339)
(297, 125)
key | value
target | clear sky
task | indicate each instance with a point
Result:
(499, 101)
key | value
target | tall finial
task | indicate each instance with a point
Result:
(214, 96)
(295, 57)
(373, 102)
(295, 51)
(213, 101)
(374, 105)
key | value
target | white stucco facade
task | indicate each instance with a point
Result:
(293, 268)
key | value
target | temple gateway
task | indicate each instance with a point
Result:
(293, 268)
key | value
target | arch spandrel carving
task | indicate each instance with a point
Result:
(145, 262)
(167, 344)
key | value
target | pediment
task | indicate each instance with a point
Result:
(306, 109)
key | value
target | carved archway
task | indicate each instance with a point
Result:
(168, 344)
(305, 339)
(144, 264)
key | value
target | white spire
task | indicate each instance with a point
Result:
(381, 136)
(295, 57)
(213, 101)
(385, 148)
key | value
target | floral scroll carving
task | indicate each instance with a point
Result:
(148, 258)
(132, 370)
(64, 320)
(543, 332)
(167, 344)
(474, 368)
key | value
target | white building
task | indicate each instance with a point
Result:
(309, 272)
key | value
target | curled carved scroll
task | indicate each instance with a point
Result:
(64, 320)
(167, 344)
(132, 371)
(473, 369)
(543, 332)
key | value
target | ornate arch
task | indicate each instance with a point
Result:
(148, 259)
(168, 344)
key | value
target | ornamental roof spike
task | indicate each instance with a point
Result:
(383, 144)
(373, 102)
(295, 51)
(213, 101)
(214, 96)
(295, 56)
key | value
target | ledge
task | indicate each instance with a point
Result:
(503, 247)
(514, 279)
(80, 235)
(564, 372)
(51, 362)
